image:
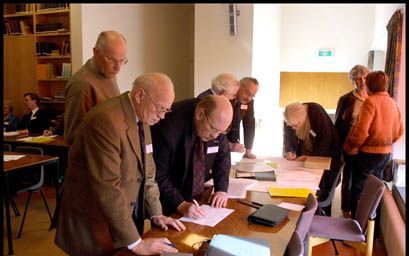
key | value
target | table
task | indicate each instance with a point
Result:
(235, 224)
(29, 160)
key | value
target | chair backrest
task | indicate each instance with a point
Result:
(7, 147)
(295, 246)
(331, 193)
(369, 201)
(304, 222)
(36, 151)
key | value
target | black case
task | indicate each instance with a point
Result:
(269, 215)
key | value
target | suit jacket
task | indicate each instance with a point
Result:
(173, 140)
(11, 123)
(343, 115)
(102, 182)
(204, 94)
(325, 142)
(249, 124)
(37, 124)
(85, 89)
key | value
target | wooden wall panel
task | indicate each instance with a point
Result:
(19, 66)
(324, 88)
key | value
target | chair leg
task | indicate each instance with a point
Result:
(46, 205)
(14, 205)
(24, 215)
(335, 247)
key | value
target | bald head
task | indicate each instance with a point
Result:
(225, 84)
(108, 39)
(213, 115)
(152, 95)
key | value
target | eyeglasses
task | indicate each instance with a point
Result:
(113, 61)
(248, 93)
(159, 109)
(214, 129)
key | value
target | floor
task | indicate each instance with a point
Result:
(37, 240)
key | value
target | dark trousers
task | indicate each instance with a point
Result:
(347, 182)
(366, 164)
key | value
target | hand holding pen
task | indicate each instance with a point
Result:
(291, 155)
(195, 211)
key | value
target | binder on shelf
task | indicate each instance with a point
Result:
(66, 70)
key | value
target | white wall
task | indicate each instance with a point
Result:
(342, 27)
(159, 38)
(215, 51)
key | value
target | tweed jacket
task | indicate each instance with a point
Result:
(102, 182)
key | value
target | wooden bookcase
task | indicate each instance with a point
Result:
(42, 31)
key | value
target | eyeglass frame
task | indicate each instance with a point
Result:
(215, 129)
(248, 93)
(158, 111)
(113, 61)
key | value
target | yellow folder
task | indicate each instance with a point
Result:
(289, 192)
(39, 140)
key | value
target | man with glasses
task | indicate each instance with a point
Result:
(243, 107)
(110, 182)
(188, 143)
(95, 81)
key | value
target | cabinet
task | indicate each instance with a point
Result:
(46, 29)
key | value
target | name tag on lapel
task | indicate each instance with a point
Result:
(149, 148)
(211, 150)
(242, 106)
(313, 133)
(33, 118)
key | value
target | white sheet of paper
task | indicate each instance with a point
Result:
(294, 207)
(12, 157)
(213, 216)
(38, 137)
(237, 187)
(10, 133)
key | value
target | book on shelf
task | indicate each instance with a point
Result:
(66, 70)
(24, 28)
(52, 6)
(22, 8)
(46, 71)
(65, 48)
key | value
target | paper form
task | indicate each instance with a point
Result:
(237, 187)
(212, 216)
(12, 157)
(289, 206)
(38, 138)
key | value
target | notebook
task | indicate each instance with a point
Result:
(269, 215)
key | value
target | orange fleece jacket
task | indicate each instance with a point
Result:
(378, 126)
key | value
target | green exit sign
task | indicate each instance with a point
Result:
(325, 52)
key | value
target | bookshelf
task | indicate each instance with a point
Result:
(44, 29)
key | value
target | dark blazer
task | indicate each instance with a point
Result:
(204, 94)
(102, 182)
(37, 124)
(11, 123)
(249, 123)
(343, 115)
(325, 143)
(173, 140)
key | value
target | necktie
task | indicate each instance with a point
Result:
(198, 169)
(139, 213)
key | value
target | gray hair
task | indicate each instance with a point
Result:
(246, 80)
(294, 112)
(149, 80)
(224, 82)
(358, 71)
(103, 39)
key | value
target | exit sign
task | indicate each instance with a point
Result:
(325, 52)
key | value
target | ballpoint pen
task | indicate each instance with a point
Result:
(171, 244)
(196, 203)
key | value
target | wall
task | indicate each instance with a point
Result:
(215, 51)
(307, 27)
(167, 46)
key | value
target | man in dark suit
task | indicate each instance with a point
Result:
(243, 107)
(224, 84)
(187, 144)
(110, 181)
(35, 121)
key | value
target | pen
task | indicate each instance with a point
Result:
(171, 244)
(196, 203)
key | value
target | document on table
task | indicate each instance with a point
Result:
(213, 216)
(237, 187)
(12, 157)
(38, 138)
(289, 206)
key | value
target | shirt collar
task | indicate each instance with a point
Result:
(34, 111)
(133, 107)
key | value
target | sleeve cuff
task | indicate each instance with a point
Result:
(134, 244)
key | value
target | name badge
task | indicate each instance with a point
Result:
(242, 106)
(211, 150)
(6, 123)
(33, 118)
(149, 149)
(313, 133)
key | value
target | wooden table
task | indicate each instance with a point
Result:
(9, 167)
(235, 224)
(57, 142)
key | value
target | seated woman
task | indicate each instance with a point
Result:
(10, 121)
(378, 125)
(309, 131)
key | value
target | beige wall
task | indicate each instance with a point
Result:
(215, 50)
(159, 38)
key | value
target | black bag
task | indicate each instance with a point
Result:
(269, 215)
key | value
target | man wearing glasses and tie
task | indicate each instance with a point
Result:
(95, 81)
(188, 143)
